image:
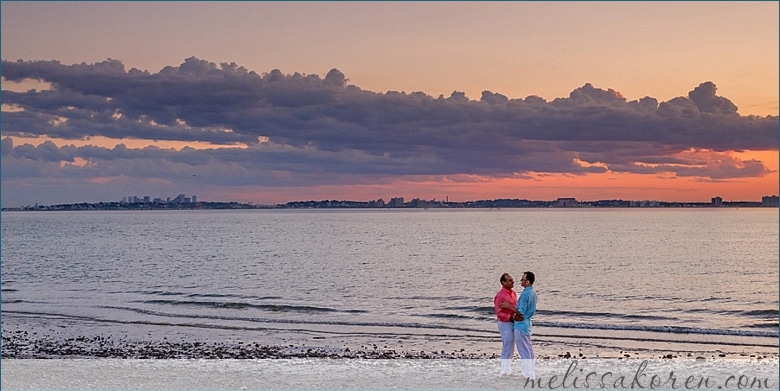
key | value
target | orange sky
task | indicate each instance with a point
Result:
(517, 49)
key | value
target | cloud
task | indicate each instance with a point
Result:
(276, 129)
(706, 101)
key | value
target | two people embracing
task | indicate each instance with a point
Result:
(514, 323)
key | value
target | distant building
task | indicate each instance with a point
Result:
(770, 201)
(418, 203)
(565, 202)
(716, 201)
(179, 199)
(396, 202)
(380, 203)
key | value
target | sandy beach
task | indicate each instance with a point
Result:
(382, 374)
(52, 362)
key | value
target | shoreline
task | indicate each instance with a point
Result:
(143, 357)
(21, 344)
(36, 336)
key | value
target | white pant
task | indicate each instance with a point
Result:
(507, 339)
(507, 346)
(526, 351)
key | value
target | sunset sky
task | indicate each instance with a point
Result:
(285, 101)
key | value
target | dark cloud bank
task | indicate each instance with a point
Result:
(308, 130)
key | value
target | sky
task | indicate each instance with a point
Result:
(271, 102)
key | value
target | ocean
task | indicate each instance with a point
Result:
(611, 283)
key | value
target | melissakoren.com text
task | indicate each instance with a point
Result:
(643, 376)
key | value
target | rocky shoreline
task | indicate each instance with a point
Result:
(21, 344)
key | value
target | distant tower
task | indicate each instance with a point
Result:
(717, 201)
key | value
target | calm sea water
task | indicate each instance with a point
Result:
(681, 280)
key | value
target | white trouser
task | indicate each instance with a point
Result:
(526, 351)
(507, 346)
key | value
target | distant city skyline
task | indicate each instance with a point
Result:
(181, 197)
(766, 200)
(266, 102)
(185, 203)
(445, 199)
